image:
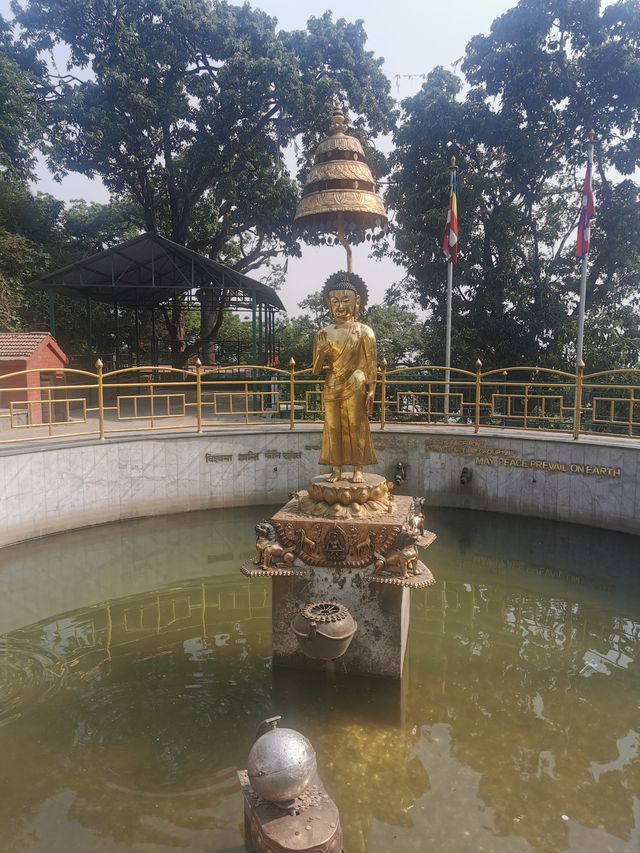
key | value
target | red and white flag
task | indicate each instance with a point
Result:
(586, 213)
(450, 239)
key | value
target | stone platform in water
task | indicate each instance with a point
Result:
(368, 563)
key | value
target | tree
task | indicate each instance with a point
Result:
(399, 333)
(29, 240)
(20, 127)
(37, 233)
(186, 108)
(548, 72)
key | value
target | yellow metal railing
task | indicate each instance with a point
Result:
(72, 402)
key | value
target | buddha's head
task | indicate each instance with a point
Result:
(343, 296)
(343, 304)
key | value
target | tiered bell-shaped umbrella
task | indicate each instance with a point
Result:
(340, 195)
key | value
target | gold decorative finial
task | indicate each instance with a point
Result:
(338, 123)
(99, 364)
(592, 135)
(453, 163)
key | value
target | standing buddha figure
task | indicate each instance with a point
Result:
(347, 348)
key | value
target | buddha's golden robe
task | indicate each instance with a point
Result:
(351, 353)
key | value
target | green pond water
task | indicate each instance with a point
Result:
(135, 666)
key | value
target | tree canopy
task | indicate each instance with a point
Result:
(187, 107)
(193, 111)
(20, 121)
(548, 72)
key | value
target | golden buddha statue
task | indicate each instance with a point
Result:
(347, 348)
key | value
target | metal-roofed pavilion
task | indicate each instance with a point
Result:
(148, 271)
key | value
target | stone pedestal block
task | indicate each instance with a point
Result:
(381, 611)
(313, 827)
(324, 552)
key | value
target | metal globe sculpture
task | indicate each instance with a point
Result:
(281, 764)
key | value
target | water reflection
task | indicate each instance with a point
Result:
(515, 728)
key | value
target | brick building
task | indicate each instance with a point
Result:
(23, 398)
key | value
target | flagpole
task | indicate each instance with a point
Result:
(447, 355)
(583, 278)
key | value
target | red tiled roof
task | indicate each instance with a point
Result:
(20, 344)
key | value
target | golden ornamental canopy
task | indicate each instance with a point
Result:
(340, 194)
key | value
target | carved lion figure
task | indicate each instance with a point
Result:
(416, 516)
(403, 557)
(270, 552)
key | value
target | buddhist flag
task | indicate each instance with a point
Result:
(586, 213)
(450, 239)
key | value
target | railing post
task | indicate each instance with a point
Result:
(578, 401)
(151, 404)
(478, 389)
(199, 395)
(99, 366)
(292, 392)
(50, 411)
(383, 393)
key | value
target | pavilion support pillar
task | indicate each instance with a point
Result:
(254, 348)
(137, 334)
(117, 337)
(89, 332)
(51, 300)
(154, 340)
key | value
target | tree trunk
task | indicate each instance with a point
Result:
(175, 322)
(212, 304)
(209, 311)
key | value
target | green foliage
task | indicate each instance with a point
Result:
(398, 332)
(295, 338)
(92, 227)
(20, 127)
(190, 105)
(548, 72)
(37, 234)
(186, 108)
(29, 240)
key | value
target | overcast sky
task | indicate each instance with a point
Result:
(412, 36)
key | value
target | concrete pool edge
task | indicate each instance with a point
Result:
(55, 487)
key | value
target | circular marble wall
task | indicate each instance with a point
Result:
(56, 487)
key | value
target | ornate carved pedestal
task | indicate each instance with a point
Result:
(352, 543)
